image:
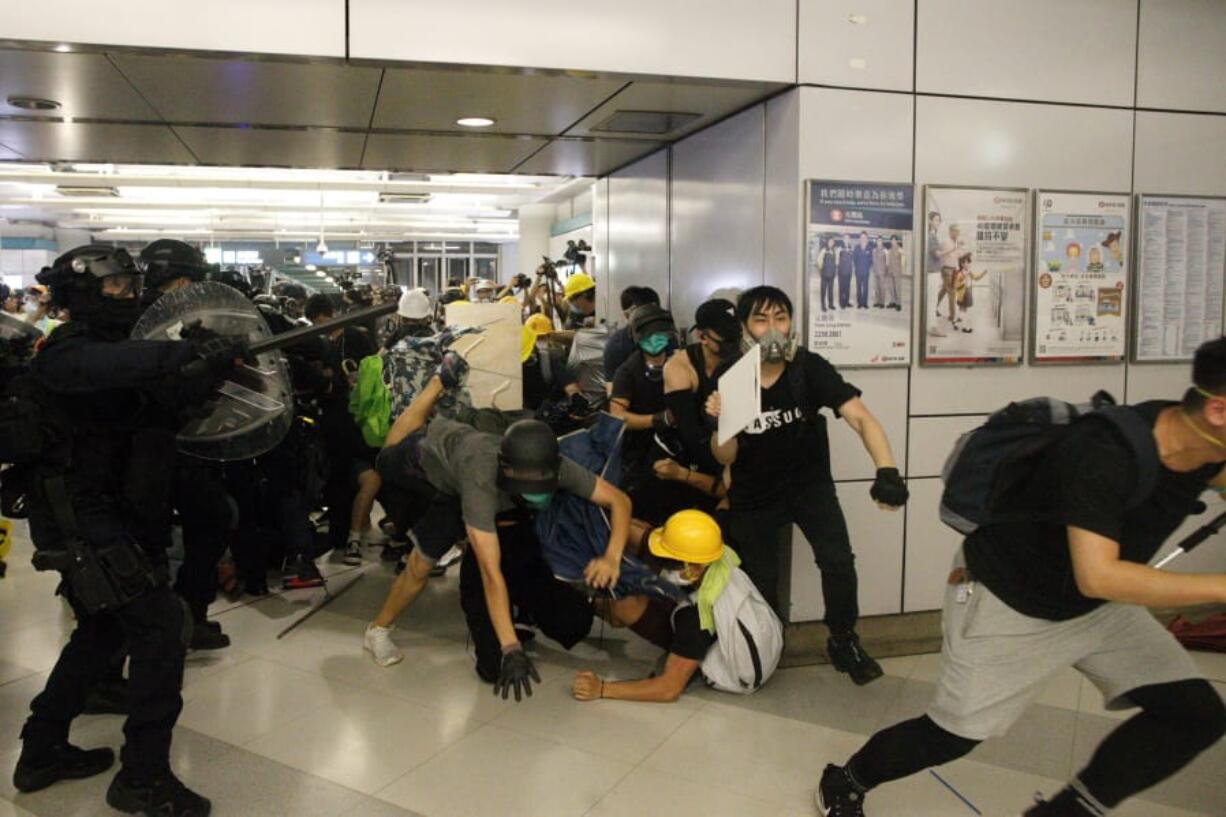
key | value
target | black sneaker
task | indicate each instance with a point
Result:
(392, 552)
(301, 572)
(108, 698)
(64, 762)
(162, 796)
(837, 796)
(256, 586)
(848, 656)
(207, 635)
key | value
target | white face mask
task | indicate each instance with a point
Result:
(31, 307)
(676, 577)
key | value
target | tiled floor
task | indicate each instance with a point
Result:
(308, 726)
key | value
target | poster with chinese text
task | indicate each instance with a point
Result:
(1081, 285)
(974, 280)
(1181, 254)
(858, 272)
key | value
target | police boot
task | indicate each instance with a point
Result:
(207, 635)
(163, 795)
(848, 656)
(36, 771)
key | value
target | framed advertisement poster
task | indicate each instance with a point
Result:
(1081, 286)
(858, 272)
(1181, 261)
(973, 300)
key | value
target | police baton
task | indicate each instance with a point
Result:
(348, 319)
(1194, 539)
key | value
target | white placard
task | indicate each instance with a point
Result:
(974, 282)
(1081, 284)
(1181, 250)
(740, 395)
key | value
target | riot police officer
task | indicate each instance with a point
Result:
(98, 395)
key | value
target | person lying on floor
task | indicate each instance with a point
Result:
(723, 604)
(461, 480)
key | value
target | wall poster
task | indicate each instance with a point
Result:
(1181, 253)
(1081, 286)
(858, 272)
(974, 292)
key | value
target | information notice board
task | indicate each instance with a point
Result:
(1181, 253)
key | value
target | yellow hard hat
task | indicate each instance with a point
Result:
(578, 283)
(527, 342)
(507, 299)
(688, 536)
(538, 324)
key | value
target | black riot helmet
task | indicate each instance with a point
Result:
(529, 459)
(100, 286)
(233, 279)
(167, 259)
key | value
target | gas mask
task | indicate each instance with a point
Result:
(776, 346)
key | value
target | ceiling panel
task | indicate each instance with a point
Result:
(190, 89)
(711, 101)
(274, 148)
(421, 99)
(86, 85)
(74, 142)
(586, 157)
(460, 154)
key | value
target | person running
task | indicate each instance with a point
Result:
(1069, 588)
(781, 473)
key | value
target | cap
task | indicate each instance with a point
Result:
(648, 319)
(719, 316)
(414, 304)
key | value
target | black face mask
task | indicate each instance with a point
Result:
(727, 349)
(110, 318)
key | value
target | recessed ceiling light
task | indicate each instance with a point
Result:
(474, 122)
(32, 103)
(857, 19)
(63, 48)
(858, 63)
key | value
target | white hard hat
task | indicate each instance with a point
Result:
(479, 286)
(414, 304)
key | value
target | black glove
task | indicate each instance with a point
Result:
(452, 370)
(216, 356)
(516, 671)
(889, 488)
(198, 333)
(579, 405)
(662, 420)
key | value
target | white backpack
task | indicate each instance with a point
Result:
(750, 639)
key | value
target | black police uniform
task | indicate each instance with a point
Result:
(105, 391)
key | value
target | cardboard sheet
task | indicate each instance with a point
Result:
(740, 395)
(495, 377)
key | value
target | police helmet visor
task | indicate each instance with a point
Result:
(122, 286)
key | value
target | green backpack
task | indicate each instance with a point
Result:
(370, 402)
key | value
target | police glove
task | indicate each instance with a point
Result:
(516, 671)
(579, 405)
(889, 488)
(216, 356)
(662, 420)
(452, 370)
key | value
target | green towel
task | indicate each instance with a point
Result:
(370, 402)
(714, 582)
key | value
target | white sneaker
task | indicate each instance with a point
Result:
(378, 642)
(353, 553)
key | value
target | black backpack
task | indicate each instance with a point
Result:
(990, 463)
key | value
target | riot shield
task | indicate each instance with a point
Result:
(253, 409)
(17, 339)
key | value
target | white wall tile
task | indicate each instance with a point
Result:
(1057, 50)
(932, 438)
(1181, 153)
(855, 135)
(313, 27)
(983, 390)
(930, 548)
(876, 538)
(718, 178)
(885, 394)
(861, 44)
(699, 38)
(975, 142)
(1182, 55)
(1158, 381)
(783, 194)
(637, 252)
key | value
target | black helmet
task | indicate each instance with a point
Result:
(80, 272)
(167, 259)
(650, 318)
(234, 279)
(528, 459)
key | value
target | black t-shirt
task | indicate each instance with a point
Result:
(644, 397)
(617, 349)
(784, 447)
(690, 640)
(1089, 480)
